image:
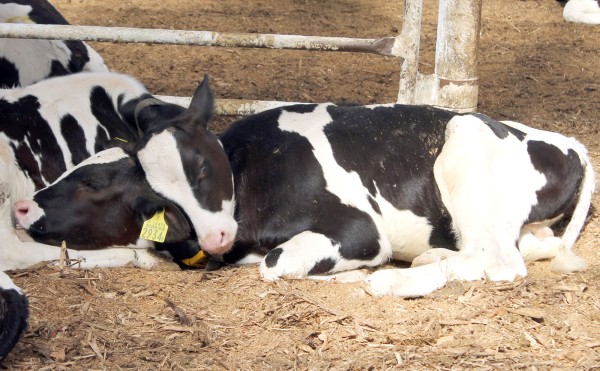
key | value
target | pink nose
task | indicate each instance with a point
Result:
(217, 243)
(21, 210)
(27, 212)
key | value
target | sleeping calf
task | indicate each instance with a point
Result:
(324, 188)
(27, 61)
(56, 124)
(43, 134)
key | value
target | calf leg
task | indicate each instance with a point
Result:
(432, 256)
(18, 254)
(311, 253)
(537, 242)
(422, 280)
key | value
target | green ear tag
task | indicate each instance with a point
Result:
(155, 228)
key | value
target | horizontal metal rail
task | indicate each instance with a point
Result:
(453, 85)
(383, 46)
(232, 107)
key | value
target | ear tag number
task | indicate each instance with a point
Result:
(155, 228)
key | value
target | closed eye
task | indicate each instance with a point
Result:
(202, 171)
(92, 183)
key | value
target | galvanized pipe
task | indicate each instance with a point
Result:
(456, 54)
(408, 43)
(383, 46)
(232, 107)
(453, 85)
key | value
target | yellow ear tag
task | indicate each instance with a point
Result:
(155, 228)
(195, 260)
(19, 19)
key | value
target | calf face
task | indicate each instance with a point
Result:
(103, 201)
(186, 164)
(179, 159)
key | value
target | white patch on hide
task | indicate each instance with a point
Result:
(582, 11)
(7, 284)
(408, 233)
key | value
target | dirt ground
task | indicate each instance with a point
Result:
(533, 68)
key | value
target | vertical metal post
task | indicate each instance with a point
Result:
(407, 46)
(459, 22)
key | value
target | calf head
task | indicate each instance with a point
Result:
(101, 202)
(186, 164)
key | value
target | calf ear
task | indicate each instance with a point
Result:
(152, 114)
(201, 108)
(179, 227)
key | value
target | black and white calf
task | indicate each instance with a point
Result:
(13, 314)
(322, 189)
(27, 61)
(49, 127)
(45, 133)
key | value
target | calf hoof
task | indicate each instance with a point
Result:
(567, 262)
(150, 259)
(277, 264)
(408, 283)
(432, 256)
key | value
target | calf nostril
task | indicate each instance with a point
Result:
(225, 239)
(22, 210)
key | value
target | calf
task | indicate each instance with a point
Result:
(45, 134)
(27, 61)
(13, 314)
(324, 188)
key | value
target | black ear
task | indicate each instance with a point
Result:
(179, 227)
(152, 114)
(201, 107)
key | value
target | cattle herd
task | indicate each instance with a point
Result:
(89, 157)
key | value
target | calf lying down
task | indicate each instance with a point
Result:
(322, 189)
(44, 134)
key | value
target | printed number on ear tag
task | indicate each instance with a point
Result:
(155, 228)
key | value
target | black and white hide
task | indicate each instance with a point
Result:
(27, 61)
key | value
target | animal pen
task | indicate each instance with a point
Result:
(453, 85)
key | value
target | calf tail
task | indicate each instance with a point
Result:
(13, 314)
(566, 261)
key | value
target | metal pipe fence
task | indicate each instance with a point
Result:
(453, 85)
